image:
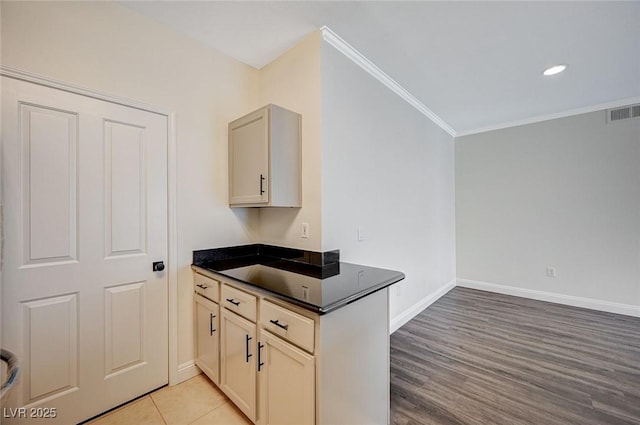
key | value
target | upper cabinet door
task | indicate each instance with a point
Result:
(249, 159)
(264, 159)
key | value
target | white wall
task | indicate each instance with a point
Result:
(388, 168)
(293, 82)
(562, 193)
(109, 48)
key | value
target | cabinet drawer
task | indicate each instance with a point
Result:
(291, 326)
(207, 287)
(238, 301)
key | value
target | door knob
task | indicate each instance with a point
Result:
(158, 266)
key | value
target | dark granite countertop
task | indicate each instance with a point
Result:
(313, 280)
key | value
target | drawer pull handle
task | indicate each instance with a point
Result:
(211, 330)
(260, 363)
(247, 348)
(234, 302)
(280, 325)
(202, 286)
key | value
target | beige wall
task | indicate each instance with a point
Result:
(563, 193)
(293, 82)
(109, 48)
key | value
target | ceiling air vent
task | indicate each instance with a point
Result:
(623, 113)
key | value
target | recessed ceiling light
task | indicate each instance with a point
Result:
(556, 69)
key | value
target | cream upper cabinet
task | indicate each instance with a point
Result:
(264, 159)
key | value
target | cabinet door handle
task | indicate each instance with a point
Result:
(260, 364)
(202, 286)
(247, 347)
(211, 317)
(280, 325)
(261, 180)
(234, 302)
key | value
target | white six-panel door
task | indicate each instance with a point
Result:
(85, 215)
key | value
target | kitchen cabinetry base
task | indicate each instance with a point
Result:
(293, 365)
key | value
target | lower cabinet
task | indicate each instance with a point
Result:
(264, 372)
(270, 379)
(238, 366)
(286, 378)
(207, 354)
(265, 354)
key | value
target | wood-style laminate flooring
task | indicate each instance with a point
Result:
(479, 358)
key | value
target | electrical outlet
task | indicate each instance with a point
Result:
(305, 230)
(552, 272)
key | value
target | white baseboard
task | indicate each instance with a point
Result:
(626, 309)
(188, 370)
(398, 321)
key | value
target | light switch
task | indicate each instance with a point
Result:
(305, 230)
(361, 234)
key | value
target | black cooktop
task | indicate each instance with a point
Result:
(319, 285)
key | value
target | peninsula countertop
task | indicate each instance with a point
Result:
(315, 281)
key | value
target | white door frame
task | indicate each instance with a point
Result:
(172, 244)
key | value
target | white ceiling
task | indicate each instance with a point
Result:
(475, 64)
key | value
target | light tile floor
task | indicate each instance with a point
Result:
(194, 402)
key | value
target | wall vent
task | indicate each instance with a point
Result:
(623, 113)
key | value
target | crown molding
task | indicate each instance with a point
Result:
(564, 114)
(372, 69)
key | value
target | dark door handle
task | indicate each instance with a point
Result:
(211, 330)
(158, 266)
(247, 348)
(234, 302)
(280, 325)
(261, 180)
(260, 364)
